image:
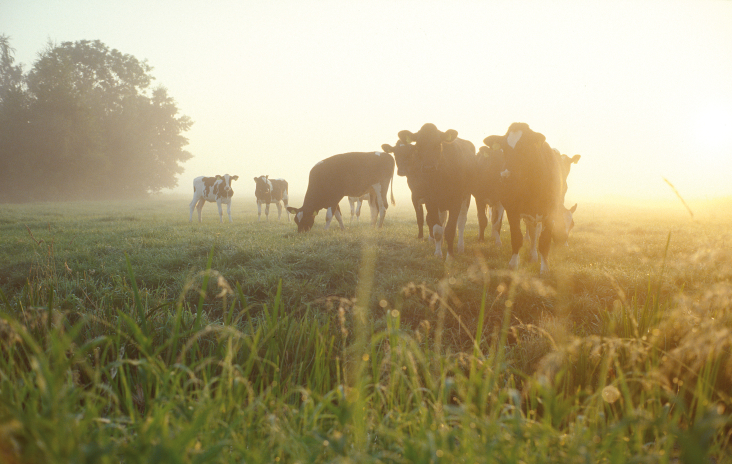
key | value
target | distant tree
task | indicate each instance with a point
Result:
(14, 114)
(95, 129)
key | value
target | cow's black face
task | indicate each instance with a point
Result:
(225, 189)
(262, 188)
(428, 145)
(403, 156)
(304, 221)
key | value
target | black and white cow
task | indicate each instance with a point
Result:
(271, 191)
(214, 189)
(347, 174)
(444, 168)
(532, 187)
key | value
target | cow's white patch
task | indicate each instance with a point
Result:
(378, 153)
(514, 263)
(544, 265)
(437, 231)
(299, 216)
(513, 138)
(319, 163)
(505, 174)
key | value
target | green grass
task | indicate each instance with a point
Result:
(129, 335)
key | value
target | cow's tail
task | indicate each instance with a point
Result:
(393, 203)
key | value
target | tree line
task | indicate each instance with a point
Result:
(85, 123)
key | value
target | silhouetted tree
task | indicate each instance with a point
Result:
(93, 128)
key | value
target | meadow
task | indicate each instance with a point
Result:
(129, 335)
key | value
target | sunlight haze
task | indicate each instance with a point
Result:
(642, 90)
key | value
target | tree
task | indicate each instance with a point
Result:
(96, 128)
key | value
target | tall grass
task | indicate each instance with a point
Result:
(453, 366)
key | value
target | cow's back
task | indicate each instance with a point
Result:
(346, 174)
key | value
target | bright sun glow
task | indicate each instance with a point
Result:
(713, 128)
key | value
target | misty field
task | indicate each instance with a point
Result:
(129, 335)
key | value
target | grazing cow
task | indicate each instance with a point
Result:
(212, 189)
(404, 155)
(444, 171)
(271, 191)
(347, 174)
(532, 187)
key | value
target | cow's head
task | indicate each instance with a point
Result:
(428, 144)
(263, 187)
(491, 155)
(403, 155)
(303, 219)
(567, 163)
(223, 188)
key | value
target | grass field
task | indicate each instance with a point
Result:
(130, 335)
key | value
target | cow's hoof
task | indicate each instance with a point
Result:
(514, 263)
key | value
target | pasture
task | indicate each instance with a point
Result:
(129, 334)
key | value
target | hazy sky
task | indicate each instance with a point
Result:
(642, 90)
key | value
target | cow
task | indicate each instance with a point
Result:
(532, 187)
(490, 164)
(212, 189)
(486, 189)
(271, 191)
(347, 174)
(444, 171)
(404, 158)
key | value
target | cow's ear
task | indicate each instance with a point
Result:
(576, 158)
(293, 210)
(235, 177)
(387, 148)
(255, 179)
(573, 208)
(406, 136)
(483, 151)
(267, 177)
(449, 136)
(315, 213)
(495, 142)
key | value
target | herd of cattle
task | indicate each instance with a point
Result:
(517, 173)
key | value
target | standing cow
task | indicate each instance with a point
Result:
(347, 174)
(271, 191)
(532, 187)
(404, 156)
(212, 189)
(444, 171)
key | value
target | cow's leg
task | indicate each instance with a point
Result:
(221, 212)
(514, 222)
(419, 211)
(354, 211)
(284, 201)
(533, 230)
(266, 210)
(199, 207)
(338, 216)
(228, 210)
(279, 210)
(378, 200)
(328, 218)
(496, 223)
(462, 219)
(434, 227)
(259, 210)
(192, 205)
(482, 217)
(545, 241)
(450, 229)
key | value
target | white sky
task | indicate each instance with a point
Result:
(642, 90)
